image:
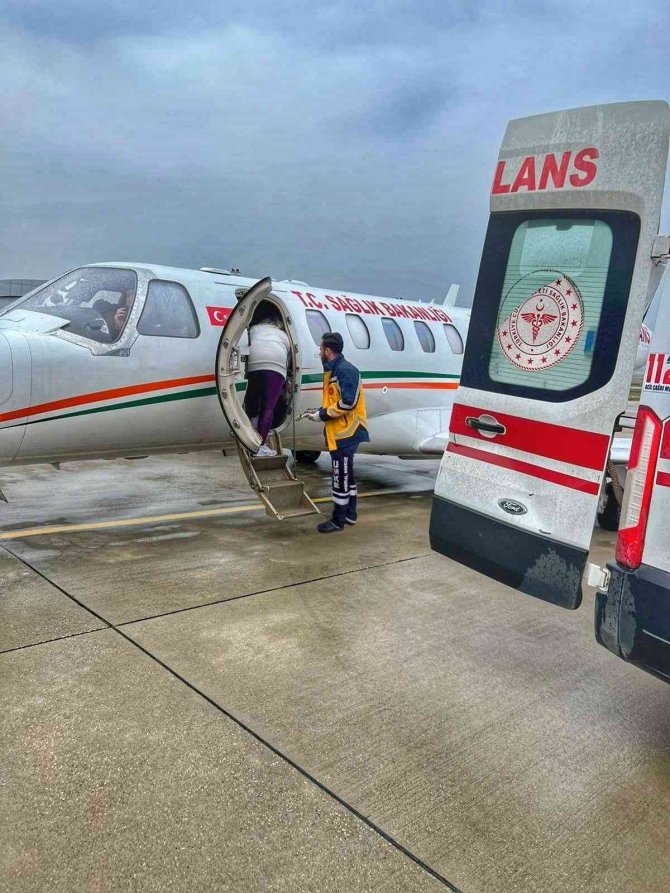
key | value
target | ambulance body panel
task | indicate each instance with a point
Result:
(633, 611)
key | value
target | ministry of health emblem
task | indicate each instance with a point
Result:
(544, 329)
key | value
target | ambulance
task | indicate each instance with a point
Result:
(571, 261)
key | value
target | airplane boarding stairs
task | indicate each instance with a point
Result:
(275, 484)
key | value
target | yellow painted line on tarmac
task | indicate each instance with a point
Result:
(178, 516)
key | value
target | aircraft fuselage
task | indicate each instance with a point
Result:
(70, 391)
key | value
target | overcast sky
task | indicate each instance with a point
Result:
(350, 144)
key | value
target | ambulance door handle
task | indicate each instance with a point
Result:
(485, 424)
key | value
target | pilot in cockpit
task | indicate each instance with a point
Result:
(116, 315)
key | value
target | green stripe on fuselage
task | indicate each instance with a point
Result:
(145, 401)
(317, 378)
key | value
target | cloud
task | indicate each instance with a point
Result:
(347, 144)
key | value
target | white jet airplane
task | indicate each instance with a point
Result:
(128, 360)
(120, 359)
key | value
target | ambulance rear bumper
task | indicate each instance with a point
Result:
(524, 560)
(632, 618)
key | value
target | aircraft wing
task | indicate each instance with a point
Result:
(435, 445)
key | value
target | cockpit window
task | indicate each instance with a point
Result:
(96, 301)
(168, 312)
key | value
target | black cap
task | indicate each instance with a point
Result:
(334, 341)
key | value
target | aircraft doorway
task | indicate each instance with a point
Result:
(268, 474)
(238, 400)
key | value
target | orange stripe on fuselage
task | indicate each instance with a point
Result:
(424, 385)
(100, 396)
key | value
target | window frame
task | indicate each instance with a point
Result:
(311, 313)
(388, 341)
(445, 327)
(73, 335)
(418, 323)
(123, 345)
(189, 299)
(360, 319)
(625, 227)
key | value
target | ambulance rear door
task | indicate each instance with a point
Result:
(562, 289)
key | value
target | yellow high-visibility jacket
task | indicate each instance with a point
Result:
(343, 406)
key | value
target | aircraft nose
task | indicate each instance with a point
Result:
(6, 371)
(11, 390)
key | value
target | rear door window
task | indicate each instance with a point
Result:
(549, 311)
(550, 302)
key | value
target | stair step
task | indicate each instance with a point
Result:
(281, 485)
(263, 463)
(296, 513)
(275, 484)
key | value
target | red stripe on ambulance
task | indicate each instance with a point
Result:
(536, 471)
(585, 448)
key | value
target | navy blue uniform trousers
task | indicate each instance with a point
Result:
(344, 485)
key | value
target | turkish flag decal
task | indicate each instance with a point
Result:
(218, 316)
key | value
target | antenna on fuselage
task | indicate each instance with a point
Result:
(233, 271)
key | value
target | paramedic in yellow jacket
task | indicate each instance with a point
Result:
(343, 412)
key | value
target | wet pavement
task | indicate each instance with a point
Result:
(81, 492)
(228, 702)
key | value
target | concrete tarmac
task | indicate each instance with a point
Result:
(228, 702)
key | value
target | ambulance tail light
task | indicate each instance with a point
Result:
(639, 485)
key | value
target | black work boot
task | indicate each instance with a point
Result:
(329, 527)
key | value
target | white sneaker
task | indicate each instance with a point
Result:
(265, 450)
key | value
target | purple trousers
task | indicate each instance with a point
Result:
(263, 390)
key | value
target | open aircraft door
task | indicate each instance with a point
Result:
(562, 289)
(270, 477)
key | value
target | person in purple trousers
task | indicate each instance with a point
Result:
(266, 370)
